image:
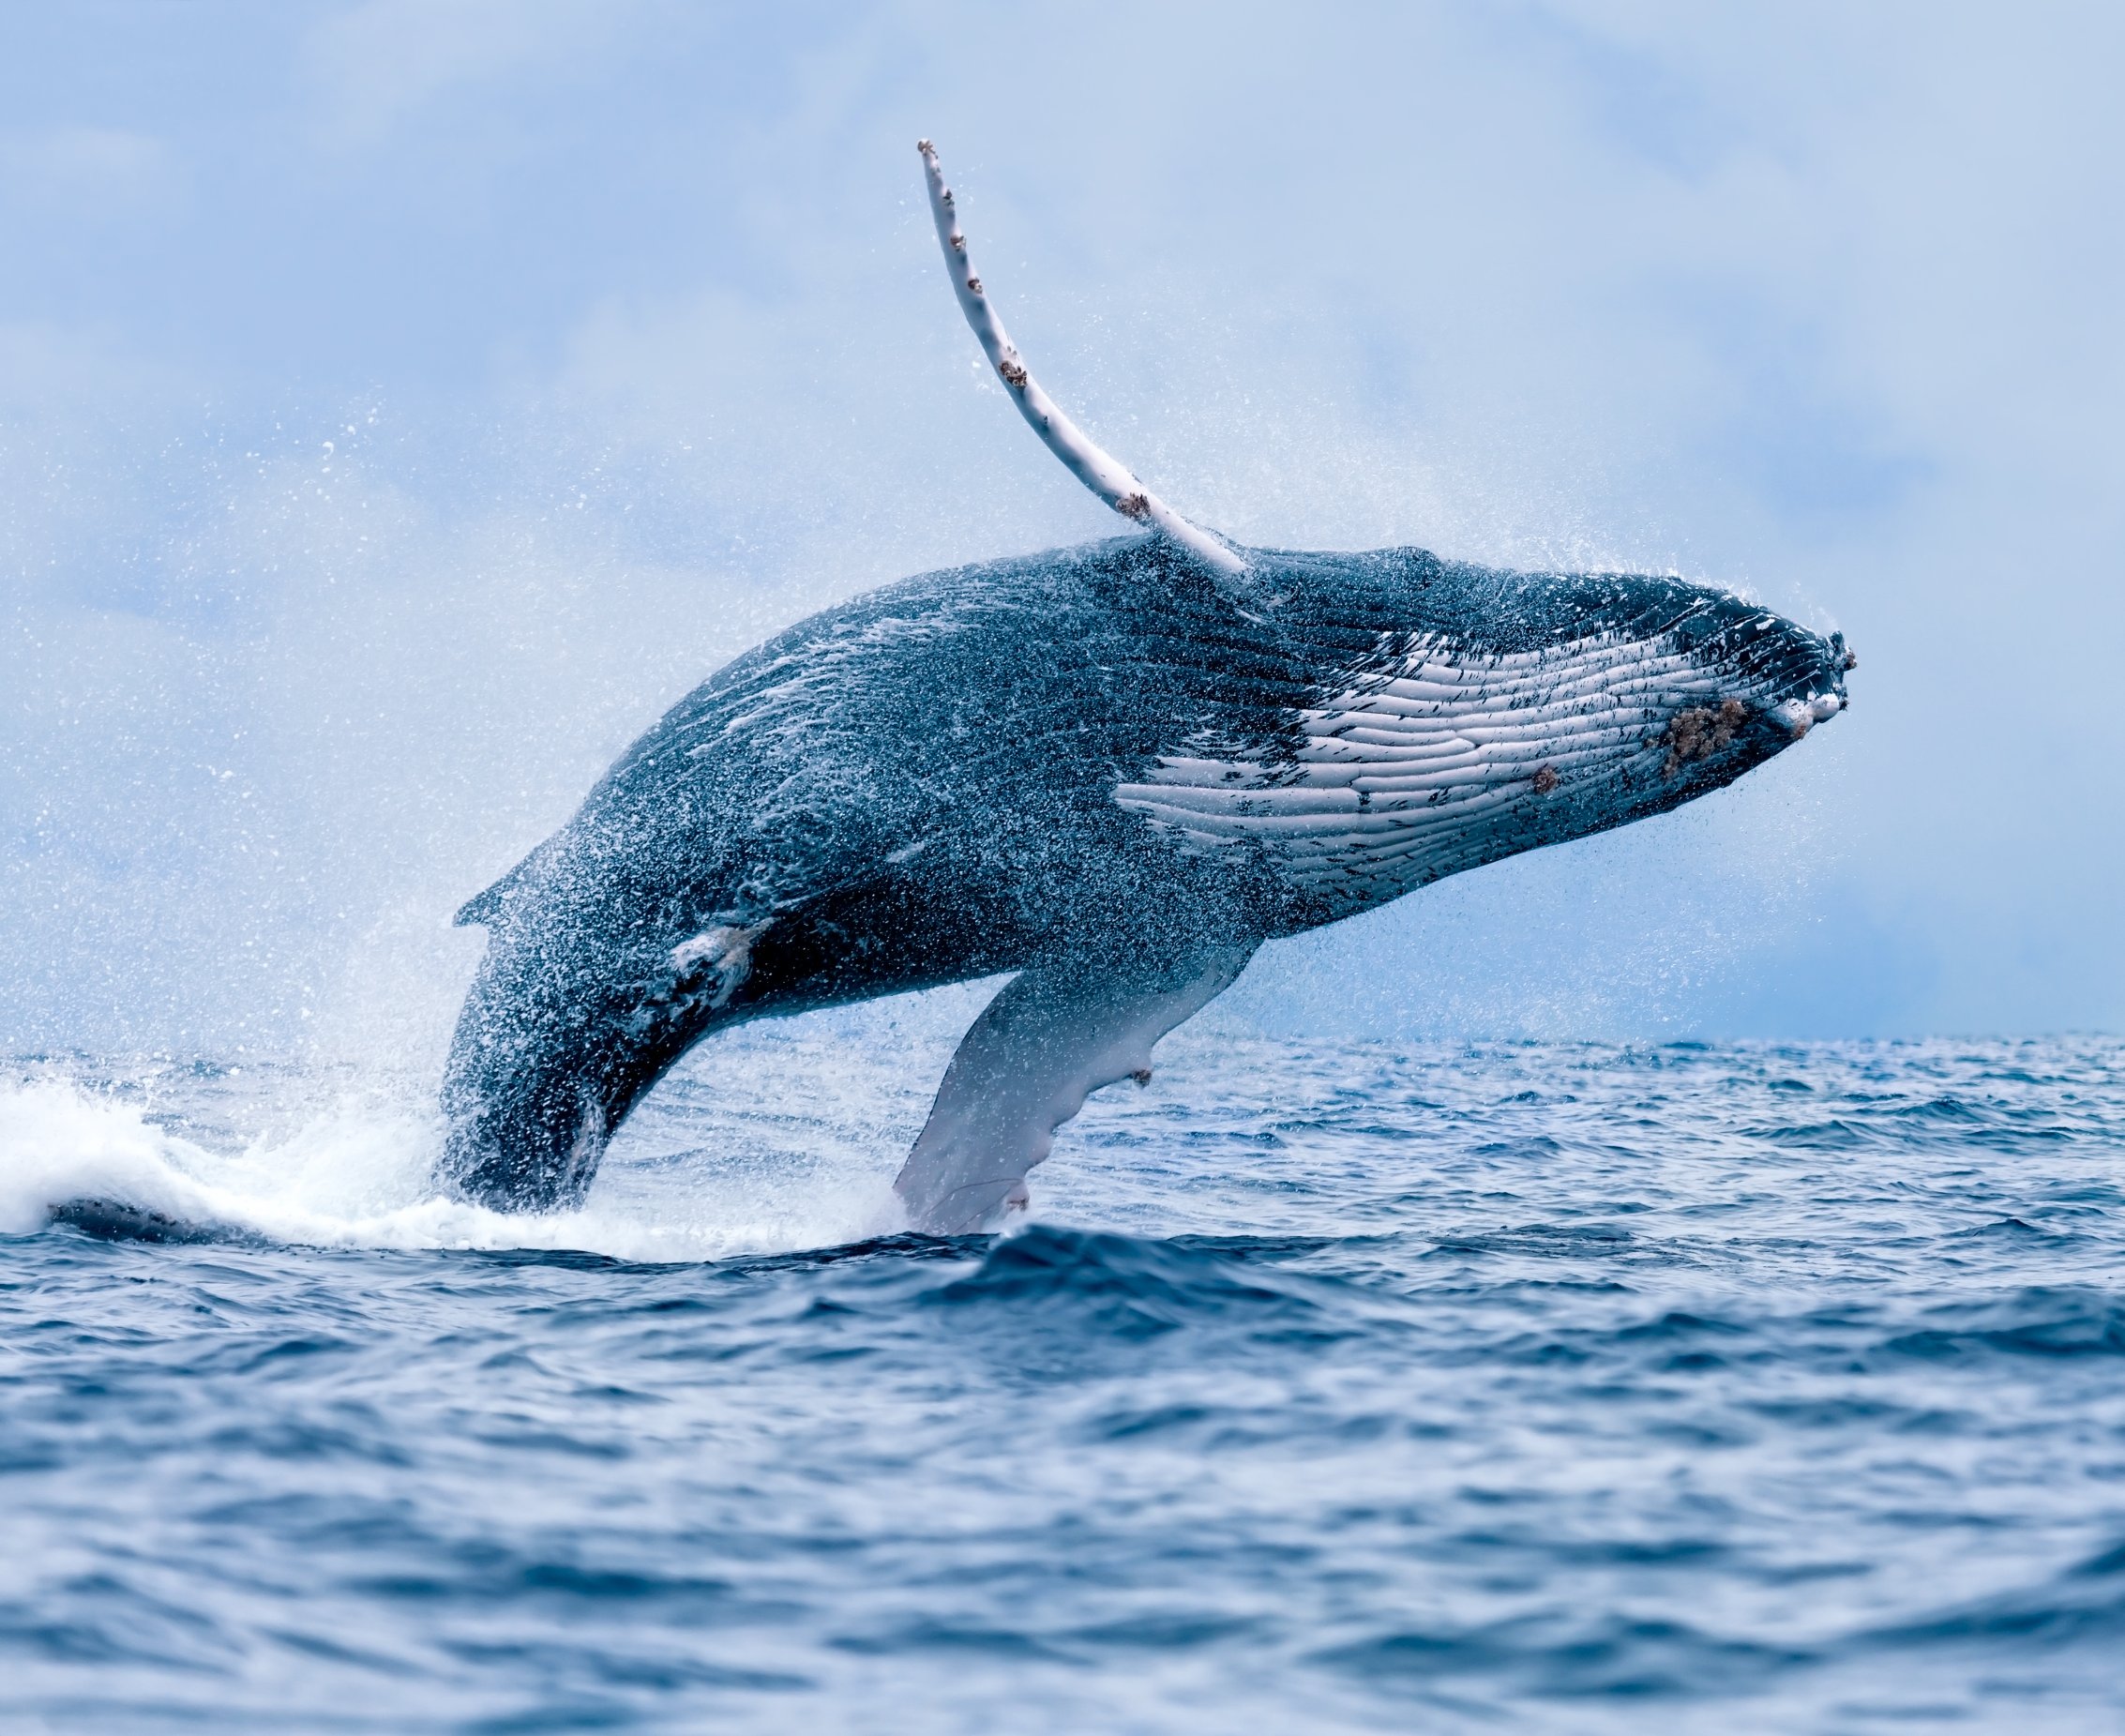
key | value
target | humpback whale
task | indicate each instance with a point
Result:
(1114, 770)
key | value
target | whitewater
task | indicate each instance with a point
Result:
(1330, 1386)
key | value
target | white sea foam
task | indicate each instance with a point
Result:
(768, 1141)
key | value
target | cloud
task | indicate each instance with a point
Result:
(379, 62)
(91, 173)
(1816, 301)
(52, 369)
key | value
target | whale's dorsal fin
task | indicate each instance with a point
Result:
(1096, 468)
(483, 907)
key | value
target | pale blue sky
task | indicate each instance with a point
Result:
(401, 402)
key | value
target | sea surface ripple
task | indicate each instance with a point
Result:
(1542, 1387)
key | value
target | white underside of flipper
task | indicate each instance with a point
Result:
(1051, 1039)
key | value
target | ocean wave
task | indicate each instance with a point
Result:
(1127, 1286)
(1545, 1387)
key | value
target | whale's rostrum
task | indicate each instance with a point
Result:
(1114, 770)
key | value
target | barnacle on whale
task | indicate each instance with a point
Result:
(1701, 731)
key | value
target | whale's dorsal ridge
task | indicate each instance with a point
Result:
(1083, 457)
(483, 907)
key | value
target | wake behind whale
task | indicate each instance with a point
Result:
(1112, 771)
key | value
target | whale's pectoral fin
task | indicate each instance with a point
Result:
(1053, 1037)
(1086, 460)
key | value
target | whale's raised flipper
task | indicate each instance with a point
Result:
(1055, 1035)
(1085, 458)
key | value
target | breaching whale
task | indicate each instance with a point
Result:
(1114, 770)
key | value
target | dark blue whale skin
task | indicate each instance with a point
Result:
(917, 787)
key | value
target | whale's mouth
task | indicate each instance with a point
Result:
(1799, 716)
(1819, 695)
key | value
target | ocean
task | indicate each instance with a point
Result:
(1327, 1386)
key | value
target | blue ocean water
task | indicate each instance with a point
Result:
(1541, 1387)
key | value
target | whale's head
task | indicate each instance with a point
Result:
(1531, 708)
(1461, 713)
(1721, 684)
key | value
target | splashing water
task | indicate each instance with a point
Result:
(359, 1175)
(775, 1138)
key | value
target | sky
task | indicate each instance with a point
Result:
(402, 402)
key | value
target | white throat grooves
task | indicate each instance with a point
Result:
(1409, 776)
(1093, 466)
